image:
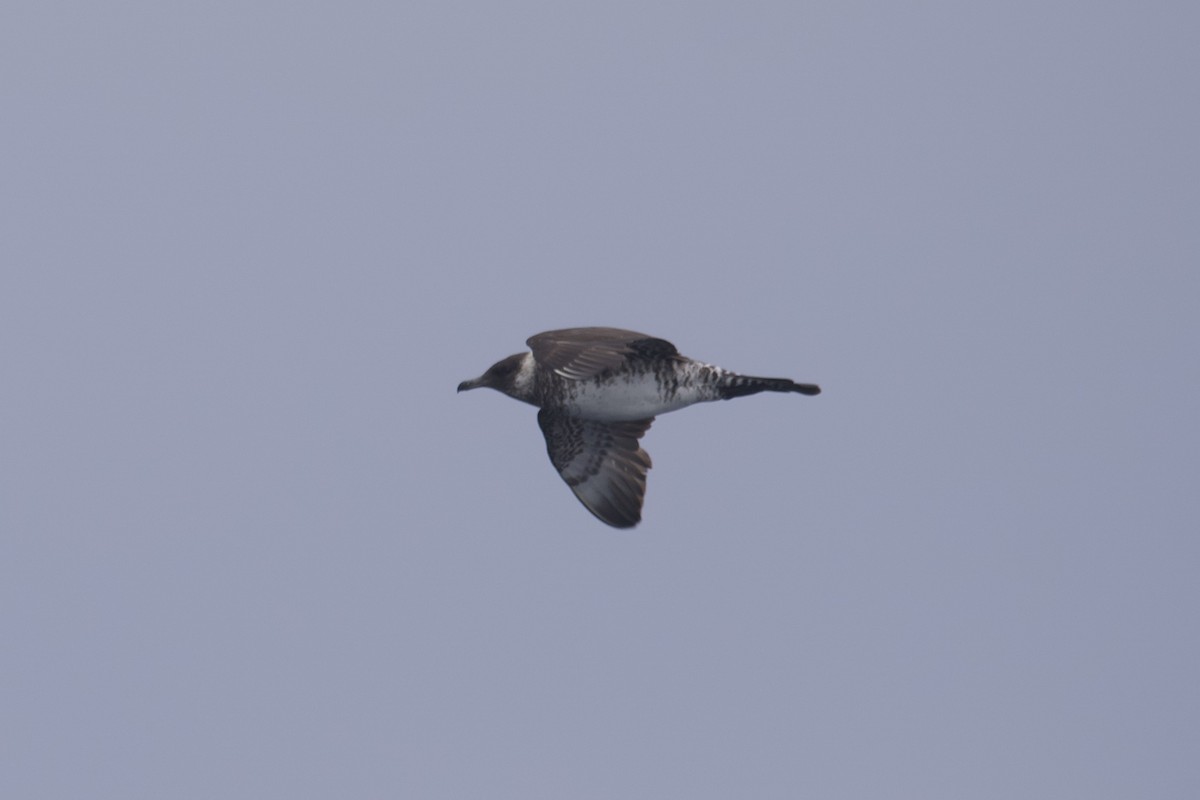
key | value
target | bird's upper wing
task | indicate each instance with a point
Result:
(601, 462)
(582, 353)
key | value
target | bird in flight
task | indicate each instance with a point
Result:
(598, 390)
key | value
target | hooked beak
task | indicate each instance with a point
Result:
(474, 383)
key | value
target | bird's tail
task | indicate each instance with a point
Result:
(742, 385)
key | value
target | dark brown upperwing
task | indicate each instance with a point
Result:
(582, 353)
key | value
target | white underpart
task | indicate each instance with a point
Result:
(623, 400)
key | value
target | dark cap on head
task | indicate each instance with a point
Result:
(499, 376)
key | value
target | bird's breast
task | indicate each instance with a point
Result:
(621, 398)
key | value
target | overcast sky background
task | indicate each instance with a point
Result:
(254, 546)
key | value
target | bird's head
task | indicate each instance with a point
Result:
(500, 376)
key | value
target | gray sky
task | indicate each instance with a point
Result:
(256, 547)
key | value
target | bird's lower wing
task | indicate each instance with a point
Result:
(601, 462)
